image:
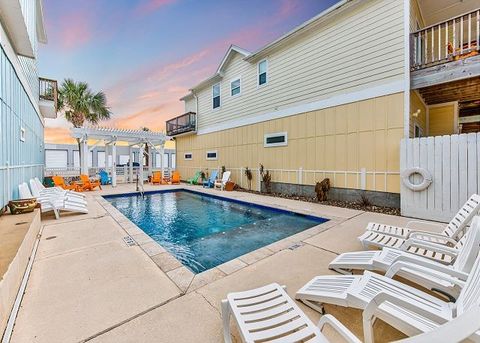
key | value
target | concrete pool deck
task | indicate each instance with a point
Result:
(87, 284)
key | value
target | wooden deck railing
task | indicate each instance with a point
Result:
(450, 40)
(48, 89)
(181, 124)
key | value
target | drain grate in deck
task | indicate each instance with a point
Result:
(129, 241)
(295, 246)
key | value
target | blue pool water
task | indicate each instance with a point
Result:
(204, 231)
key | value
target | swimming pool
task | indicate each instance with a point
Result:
(203, 231)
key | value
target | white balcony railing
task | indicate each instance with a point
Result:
(447, 41)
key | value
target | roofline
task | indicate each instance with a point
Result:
(41, 31)
(248, 56)
(235, 48)
(297, 30)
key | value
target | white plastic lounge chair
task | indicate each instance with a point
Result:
(255, 315)
(268, 314)
(53, 203)
(404, 307)
(429, 273)
(382, 235)
(42, 189)
(69, 196)
(221, 183)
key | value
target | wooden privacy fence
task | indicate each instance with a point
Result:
(453, 163)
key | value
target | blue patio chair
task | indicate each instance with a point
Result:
(211, 180)
(104, 178)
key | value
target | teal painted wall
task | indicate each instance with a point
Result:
(24, 158)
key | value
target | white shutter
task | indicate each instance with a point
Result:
(56, 159)
(157, 160)
(165, 160)
(76, 159)
(173, 161)
(101, 159)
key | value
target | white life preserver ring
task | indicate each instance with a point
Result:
(416, 187)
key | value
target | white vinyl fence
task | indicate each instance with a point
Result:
(123, 173)
(453, 163)
(338, 178)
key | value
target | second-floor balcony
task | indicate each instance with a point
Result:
(186, 123)
(48, 95)
(446, 51)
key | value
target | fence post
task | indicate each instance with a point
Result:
(259, 181)
(363, 178)
(241, 177)
(125, 173)
(300, 176)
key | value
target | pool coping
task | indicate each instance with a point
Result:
(184, 278)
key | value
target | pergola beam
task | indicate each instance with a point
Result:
(111, 136)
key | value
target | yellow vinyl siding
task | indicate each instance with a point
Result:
(360, 48)
(364, 134)
(442, 120)
(421, 119)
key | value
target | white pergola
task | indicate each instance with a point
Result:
(110, 137)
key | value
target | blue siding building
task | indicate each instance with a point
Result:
(22, 107)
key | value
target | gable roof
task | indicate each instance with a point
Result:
(231, 51)
(306, 26)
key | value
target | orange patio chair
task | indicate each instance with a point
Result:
(59, 181)
(87, 184)
(175, 178)
(157, 177)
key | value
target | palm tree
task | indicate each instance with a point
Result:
(81, 105)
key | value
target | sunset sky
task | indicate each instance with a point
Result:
(146, 54)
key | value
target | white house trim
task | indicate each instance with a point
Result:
(275, 134)
(364, 94)
(258, 74)
(231, 49)
(406, 66)
(211, 152)
(237, 78)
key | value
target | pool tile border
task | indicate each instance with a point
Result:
(184, 278)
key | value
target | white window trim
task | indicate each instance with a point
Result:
(239, 78)
(220, 95)
(211, 158)
(268, 135)
(258, 74)
(23, 133)
(186, 158)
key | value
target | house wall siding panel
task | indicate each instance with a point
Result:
(364, 134)
(359, 49)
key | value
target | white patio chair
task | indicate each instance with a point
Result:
(428, 273)
(42, 189)
(39, 192)
(221, 183)
(408, 309)
(382, 235)
(54, 203)
(268, 314)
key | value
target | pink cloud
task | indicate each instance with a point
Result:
(148, 6)
(148, 95)
(75, 31)
(287, 8)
